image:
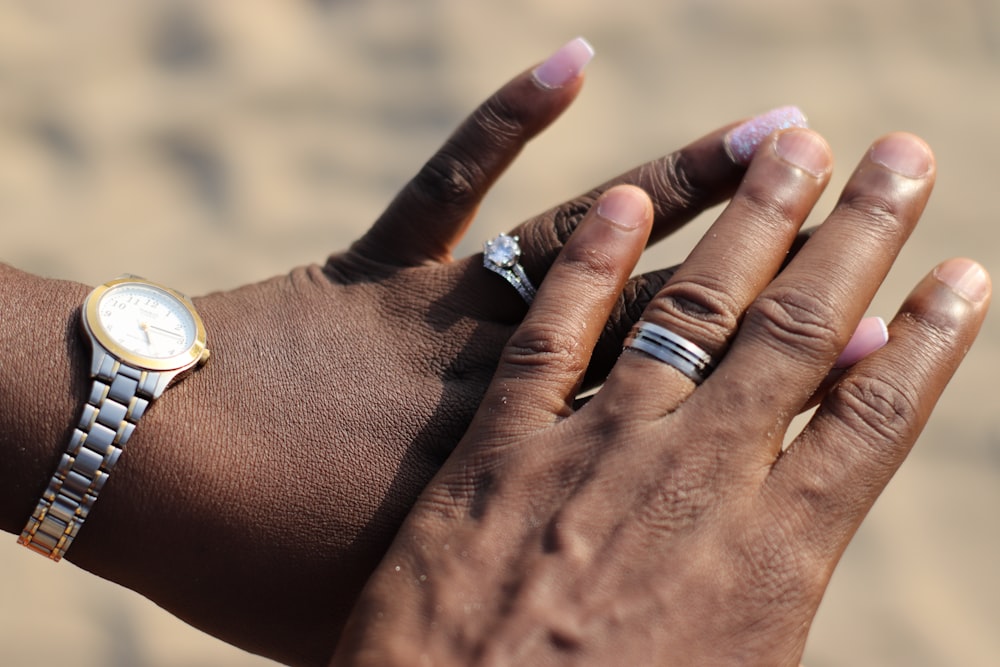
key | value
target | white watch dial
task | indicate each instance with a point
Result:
(147, 321)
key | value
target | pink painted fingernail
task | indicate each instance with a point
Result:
(565, 64)
(743, 141)
(967, 278)
(870, 335)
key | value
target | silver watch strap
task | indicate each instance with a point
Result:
(118, 398)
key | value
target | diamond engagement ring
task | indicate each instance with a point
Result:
(672, 349)
(501, 256)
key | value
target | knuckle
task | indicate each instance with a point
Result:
(642, 289)
(763, 207)
(880, 215)
(632, 302)
(877, 410)
(702, 305)
(448, 180)
(670, 185)
(544, 348)
(593, 265)
(793, 318)
(567, 218)
(547, 235)
(453, 178)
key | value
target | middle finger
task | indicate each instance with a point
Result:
(704, 300)
(801, 321)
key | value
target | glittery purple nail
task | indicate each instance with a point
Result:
(565, 64)
(742, 142)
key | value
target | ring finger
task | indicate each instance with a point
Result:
(800, 323)
(681, 185)
(704, 301)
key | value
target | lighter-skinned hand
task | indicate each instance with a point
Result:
(664, 523)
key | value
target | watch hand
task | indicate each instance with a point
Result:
(145, 330)
(165, 331)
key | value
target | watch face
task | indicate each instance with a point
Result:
(146, 321)
(145, 325)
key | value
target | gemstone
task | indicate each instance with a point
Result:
(503, 251)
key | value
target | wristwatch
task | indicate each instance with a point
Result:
(144, 337)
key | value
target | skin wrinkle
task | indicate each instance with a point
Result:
(546, 241)
(572, 532)
(568, 217)
(938, 329)
(700, 306)
(818, 497)
(404, 414)
(791, 318)
(500, 121)
(771, 570)
(670, 185)
(448, 180)
(881, 216)
(748, 591)
(873, 408)
(769, 211)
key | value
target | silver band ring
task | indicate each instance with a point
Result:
(672, 349)
(502, 255)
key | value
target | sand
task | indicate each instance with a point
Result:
(211, 144)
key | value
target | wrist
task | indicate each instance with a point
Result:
(42, 382)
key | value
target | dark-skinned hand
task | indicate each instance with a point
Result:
(257, 495)
(663, 523)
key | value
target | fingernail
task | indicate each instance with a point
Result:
(565, 64)
(625, 207)
(904, 154)
(965, 277)
(805, 150)
(870, 335)
(743, 141)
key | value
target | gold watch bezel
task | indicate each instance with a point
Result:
(196, 353)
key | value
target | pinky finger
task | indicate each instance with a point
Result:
(868, 422)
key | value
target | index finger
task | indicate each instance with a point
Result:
(429, 216)
(543, 364)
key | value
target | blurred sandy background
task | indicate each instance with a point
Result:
(206, 144)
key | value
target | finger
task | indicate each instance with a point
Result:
(542, 366)
(628, 309)
(681, 185)
(428, 217)
(870, 336)
(794, 331)
(864, 428)
(705, 299)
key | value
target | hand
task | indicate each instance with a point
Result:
(662, 523)
(257, 495)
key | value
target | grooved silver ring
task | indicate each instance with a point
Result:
(672, 349)
(502, 255)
